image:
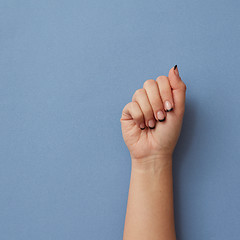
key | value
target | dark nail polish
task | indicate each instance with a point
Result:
(162, 120)
(175, 67)
(142, 128)
(169, 110)
(152, 127)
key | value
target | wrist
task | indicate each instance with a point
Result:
(152, 163)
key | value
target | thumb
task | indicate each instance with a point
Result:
(178, 90)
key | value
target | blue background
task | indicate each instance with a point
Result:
(67, 68)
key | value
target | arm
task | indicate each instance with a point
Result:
(150, 212)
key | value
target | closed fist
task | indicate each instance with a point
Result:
(151, 122)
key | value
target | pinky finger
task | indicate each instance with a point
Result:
(132, 111)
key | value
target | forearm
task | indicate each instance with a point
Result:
(150, 212)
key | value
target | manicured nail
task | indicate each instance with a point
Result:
(142, 126)
(176, 70)
(168, 106)
(151, 124)
(160, 116)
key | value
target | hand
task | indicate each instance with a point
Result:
(152, 122)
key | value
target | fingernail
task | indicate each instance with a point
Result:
(142, 126)
(151, 124)
(168, 106)
(160, 116)
(176, 70)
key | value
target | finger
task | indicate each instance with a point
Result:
(155, 100)
(178, 89)
(140, 96)
(165, 92)
(132, 111)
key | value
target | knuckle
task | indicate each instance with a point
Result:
(149, 82)
(133, 105)
(183, 86)
(161, 78)
(126, 107)
(138, 93)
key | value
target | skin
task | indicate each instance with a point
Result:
(150, 208)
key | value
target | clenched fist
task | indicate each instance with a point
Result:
(152, 122)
